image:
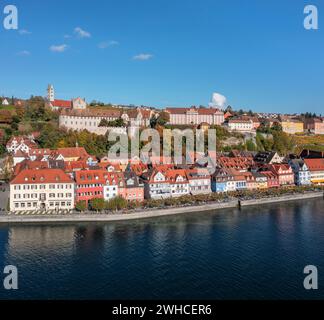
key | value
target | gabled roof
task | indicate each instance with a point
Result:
(90, 177)
(200, 111)
(39, 152)
(172, 175)
(32, 176)
(73, 152)
(62, 103)
(109, 113)
(315, 164)
(131, 176)
(32, 165)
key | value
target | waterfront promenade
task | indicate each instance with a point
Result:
(151, 213)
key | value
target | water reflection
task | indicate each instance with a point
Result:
(228, 254)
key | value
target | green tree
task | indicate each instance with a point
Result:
(97, 204)
(81, 205)
(117, 203)
(250, 145)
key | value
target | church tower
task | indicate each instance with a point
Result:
(50, 93)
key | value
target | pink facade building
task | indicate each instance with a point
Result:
(315, 125)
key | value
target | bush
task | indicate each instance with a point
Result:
(81, 205)
(115, 204)
(97, 204)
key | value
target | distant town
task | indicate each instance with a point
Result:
(54, 154)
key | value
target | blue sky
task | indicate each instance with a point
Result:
(164, 52)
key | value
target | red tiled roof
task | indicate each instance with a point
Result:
(114, 178)
(172, 175)
(20, 154)
(202, 111)
(106, 165)
(90, 176)
(315, 164)
(70, 166)
(62, 103)
(39, 152)
(72, 152)
(32, 176)
(22, 139)
(110, 113)
(239, 121)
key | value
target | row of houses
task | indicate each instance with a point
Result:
(244, 123)
(58, 179)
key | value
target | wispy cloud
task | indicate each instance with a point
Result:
(58, 48)
(23, 53)
(24, 32)
(82, 33)
(143, 56)
(107, 44)
(67, 36)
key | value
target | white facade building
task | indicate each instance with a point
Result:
(79, 104)
(240, 125)
(22, 143)
(199, 182)
(44, 189)
(195, 116)
(157, 187)
(5, 102)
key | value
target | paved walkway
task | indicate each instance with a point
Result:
(71, 216)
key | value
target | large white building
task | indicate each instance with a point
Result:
(91, 119)
(195, 116)
(240, 125)
(43, 189)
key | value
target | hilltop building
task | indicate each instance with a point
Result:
(195, 116)
(60, 105)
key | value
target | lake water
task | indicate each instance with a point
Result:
(259, 253)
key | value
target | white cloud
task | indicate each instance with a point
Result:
(24, 32)
(82, 33)
(58, 48)
(67, 36)
(106, 44)
(218, 101)
(23, 53)
(143, 56)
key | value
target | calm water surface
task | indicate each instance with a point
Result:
(259, 253)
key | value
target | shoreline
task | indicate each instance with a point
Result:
(235, 203)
